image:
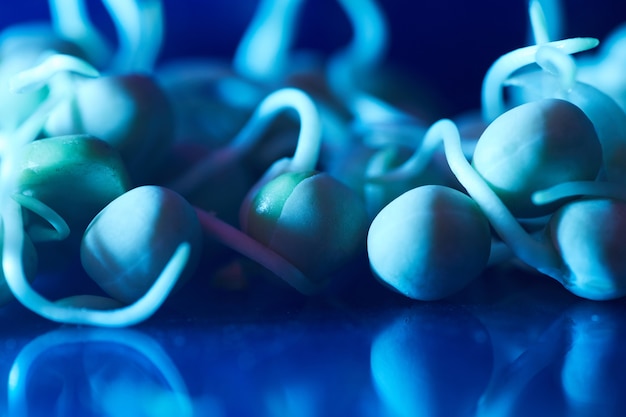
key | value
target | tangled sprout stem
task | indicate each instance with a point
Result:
(504, 67)
(139, 25)
(71, 21)
(91, 310)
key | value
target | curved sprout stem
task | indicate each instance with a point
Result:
(492, 98)
(247, 246)
(30, 128)
(20, 372)
(559, 64)
(538, 22)
(37, 77)
(368, 46)
(262, 51)
(305, 156)
(580, 189)
(539, 255)
(60, 230)
(370, 33)
(365, 52)
(417, 162)
(24, 134)
(21, 136)
(82, 310)
(139, 25)
(70, 21)
(554, 17)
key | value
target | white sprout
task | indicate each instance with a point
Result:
(264, 47)
(559, 64)
(609, 120)
(139, 25)
(307, 150)
(78, 310)
(504, 67)
(417, 162)
(60, 230)
(571, 189)
(370, 38)
(538, 23)
(40, 75)
(71, 21)
(363, 55)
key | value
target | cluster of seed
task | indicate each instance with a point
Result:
(295, 163)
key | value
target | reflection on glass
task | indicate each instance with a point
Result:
(317, 372)
(433, 360)
(594, 371)
(104, 372)
(575, 367)
(527, 384)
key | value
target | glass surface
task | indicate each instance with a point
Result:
(511, 344)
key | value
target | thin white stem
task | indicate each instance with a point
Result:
(554, 18)
(71, 22)
(559, 64)
(307, 150)
(492, 98)
(38, 76)
(538, 22)
(31, 127)
(370, 33)
(247, 246)
(66, 312)
(24, 134)
(539, 255)
(364, 53)
(21, 369)
(417, 163)
(571, 189)
(262, 53)
(139, 25)
(60, 230)
(56, 71)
